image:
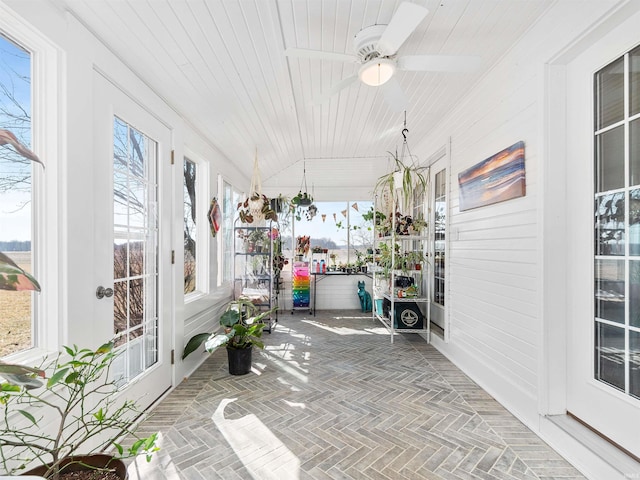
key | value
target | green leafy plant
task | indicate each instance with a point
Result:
(78, 412)
(368, 216)
(404, 179)
(302, 199)
(257, 235)
(247, 214)
(243, 328)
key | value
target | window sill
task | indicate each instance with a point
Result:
(197, 303)
(33, 357)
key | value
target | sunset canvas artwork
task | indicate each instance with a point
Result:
(498, 178)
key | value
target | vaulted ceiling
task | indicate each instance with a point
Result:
(222, 65)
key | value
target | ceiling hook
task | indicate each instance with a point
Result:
(404, 133)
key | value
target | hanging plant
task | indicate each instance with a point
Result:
(397, 187)
(256, 207)
(302, 199)
(311, 212)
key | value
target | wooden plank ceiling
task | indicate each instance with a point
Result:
(221, 64)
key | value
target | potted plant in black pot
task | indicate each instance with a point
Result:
(242, 330)
(66, 425)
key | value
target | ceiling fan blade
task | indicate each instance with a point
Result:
(439, 63)
(342, 84)
(394, 95)
(333, 56)
(402, 24)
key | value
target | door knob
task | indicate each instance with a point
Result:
(102, 292)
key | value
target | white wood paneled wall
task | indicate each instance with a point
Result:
(493, 276)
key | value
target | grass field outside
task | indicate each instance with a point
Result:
(15, 313)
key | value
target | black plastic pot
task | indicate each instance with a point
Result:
(77, 463)
(239, 360)
(276, 205)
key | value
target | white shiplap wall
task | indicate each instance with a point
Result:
(339, 292)
(493, 271)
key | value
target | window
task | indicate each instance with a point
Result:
(135, 243)
(439, 236)
(190, 231)
(617, 224)
(340, 228)
(230, 198)
(16, 194)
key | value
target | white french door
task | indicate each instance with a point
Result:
(132, 150)
(438, 222)
(603, 195)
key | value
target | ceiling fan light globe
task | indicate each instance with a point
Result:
(377, 72)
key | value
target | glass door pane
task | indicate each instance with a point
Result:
(135, 250)
(609, 91)
(440, 219)
(634, 81)
(617, 226)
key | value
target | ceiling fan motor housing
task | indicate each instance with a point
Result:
(365, 42)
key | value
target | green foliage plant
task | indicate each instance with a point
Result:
(403, 179)
(243, 327)
(78, 412)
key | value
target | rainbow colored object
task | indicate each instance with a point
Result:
(301, 285)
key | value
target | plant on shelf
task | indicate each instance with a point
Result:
(243, 327)
(303, 244)
(389, 260)
(418, 225)
(413, 260)
(77, 413)
(256, 239)
(368, 216)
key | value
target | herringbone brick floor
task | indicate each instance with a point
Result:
(331, 398)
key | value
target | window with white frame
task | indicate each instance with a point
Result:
(190, 185)
(617, 224)
(17, 185)
(230, 199)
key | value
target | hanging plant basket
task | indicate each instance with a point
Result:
(302, 199)
(256, 207)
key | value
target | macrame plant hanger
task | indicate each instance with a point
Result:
(255, 193)
(256, 181)
(404, 158)
(305, 198)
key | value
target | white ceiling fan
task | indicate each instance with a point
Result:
(376, 48)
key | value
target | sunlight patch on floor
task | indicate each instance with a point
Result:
(337, 330)
(379, 331)
(292, 387)
(291, 367)
(261, 452)
(295, 404)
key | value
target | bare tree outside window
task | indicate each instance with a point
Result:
(135, 247)
(189, 226)
(15, 192)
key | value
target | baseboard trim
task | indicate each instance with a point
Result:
(596, 458)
